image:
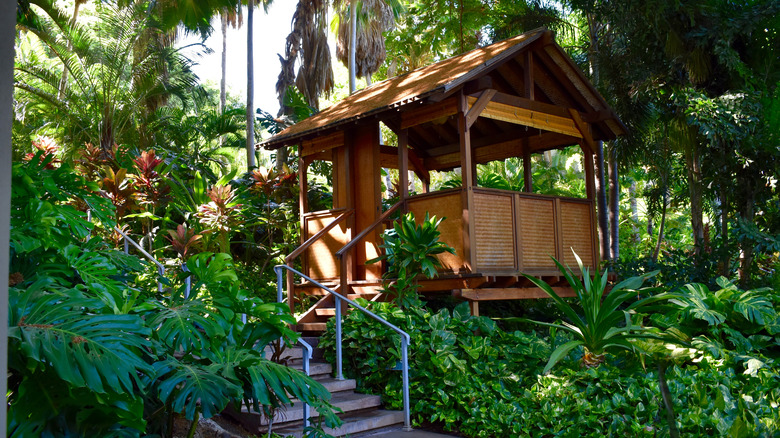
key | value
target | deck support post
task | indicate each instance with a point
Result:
(474, 307)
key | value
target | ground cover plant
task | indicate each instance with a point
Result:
(629, 362)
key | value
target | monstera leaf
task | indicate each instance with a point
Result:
(99, 352)
(185, 328)
(190, 387)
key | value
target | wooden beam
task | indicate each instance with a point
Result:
(478, 85)
(389, 160)
(322, 143)
(533, 105)
(479, 105)
(511, 293)
(502, 150)
(584, 128)
(528, 77)
(534, 119)
(428, 113)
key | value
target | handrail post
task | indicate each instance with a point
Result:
(187, 281)
(279, 291)
(307, 354)
(339, 361)
(405, 381)
(127, 246)
(161, 271)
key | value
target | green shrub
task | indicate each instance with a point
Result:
(456, 361)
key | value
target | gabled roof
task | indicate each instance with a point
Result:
(440, 79)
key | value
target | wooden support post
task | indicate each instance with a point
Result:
(403, 163)
(527, 171)
(303, 183)
(474, 307)
(468, 176)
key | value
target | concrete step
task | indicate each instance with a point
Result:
(346, 401)
(315, 368)
(334, 385)
(354, 424)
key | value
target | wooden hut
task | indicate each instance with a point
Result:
(514, 98)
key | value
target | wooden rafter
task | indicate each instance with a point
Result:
(500, 150)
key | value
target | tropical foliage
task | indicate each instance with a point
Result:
(95, 349)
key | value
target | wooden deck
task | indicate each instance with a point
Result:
(510, 234)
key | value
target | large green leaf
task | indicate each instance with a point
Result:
(99, 352)
(190, 388)
(187, 327)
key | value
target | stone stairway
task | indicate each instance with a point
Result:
(314, 320)
(362, 413)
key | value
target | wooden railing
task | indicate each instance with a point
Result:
(304, 246)
(340, 254)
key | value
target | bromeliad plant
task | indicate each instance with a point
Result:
(598, 321)
(411, 250)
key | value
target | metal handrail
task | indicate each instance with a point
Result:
(307, 351)
(405, 338)
(160, 267)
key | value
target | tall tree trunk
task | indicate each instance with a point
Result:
(352, 45)
(748, 215)
(614, 202)
(660, 227)
(634, 211)
(724, 214)
(601, 201)
(601, 186)
(693, 162)
(64, 80)
(250, 88)
(222, 84)
(671, 418)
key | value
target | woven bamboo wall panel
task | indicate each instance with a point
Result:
(493, 229)
(576, 229)
(450, 207)
(320, 258)
(537, 232)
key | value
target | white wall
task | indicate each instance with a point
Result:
(7, 27)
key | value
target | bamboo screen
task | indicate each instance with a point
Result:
(320, 259)
(576, 232)
(447, 205)
(494, 232)
(537, 232)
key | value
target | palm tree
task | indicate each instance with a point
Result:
(233, 18)
(361, 43)
(251, 161)
(109, 81)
